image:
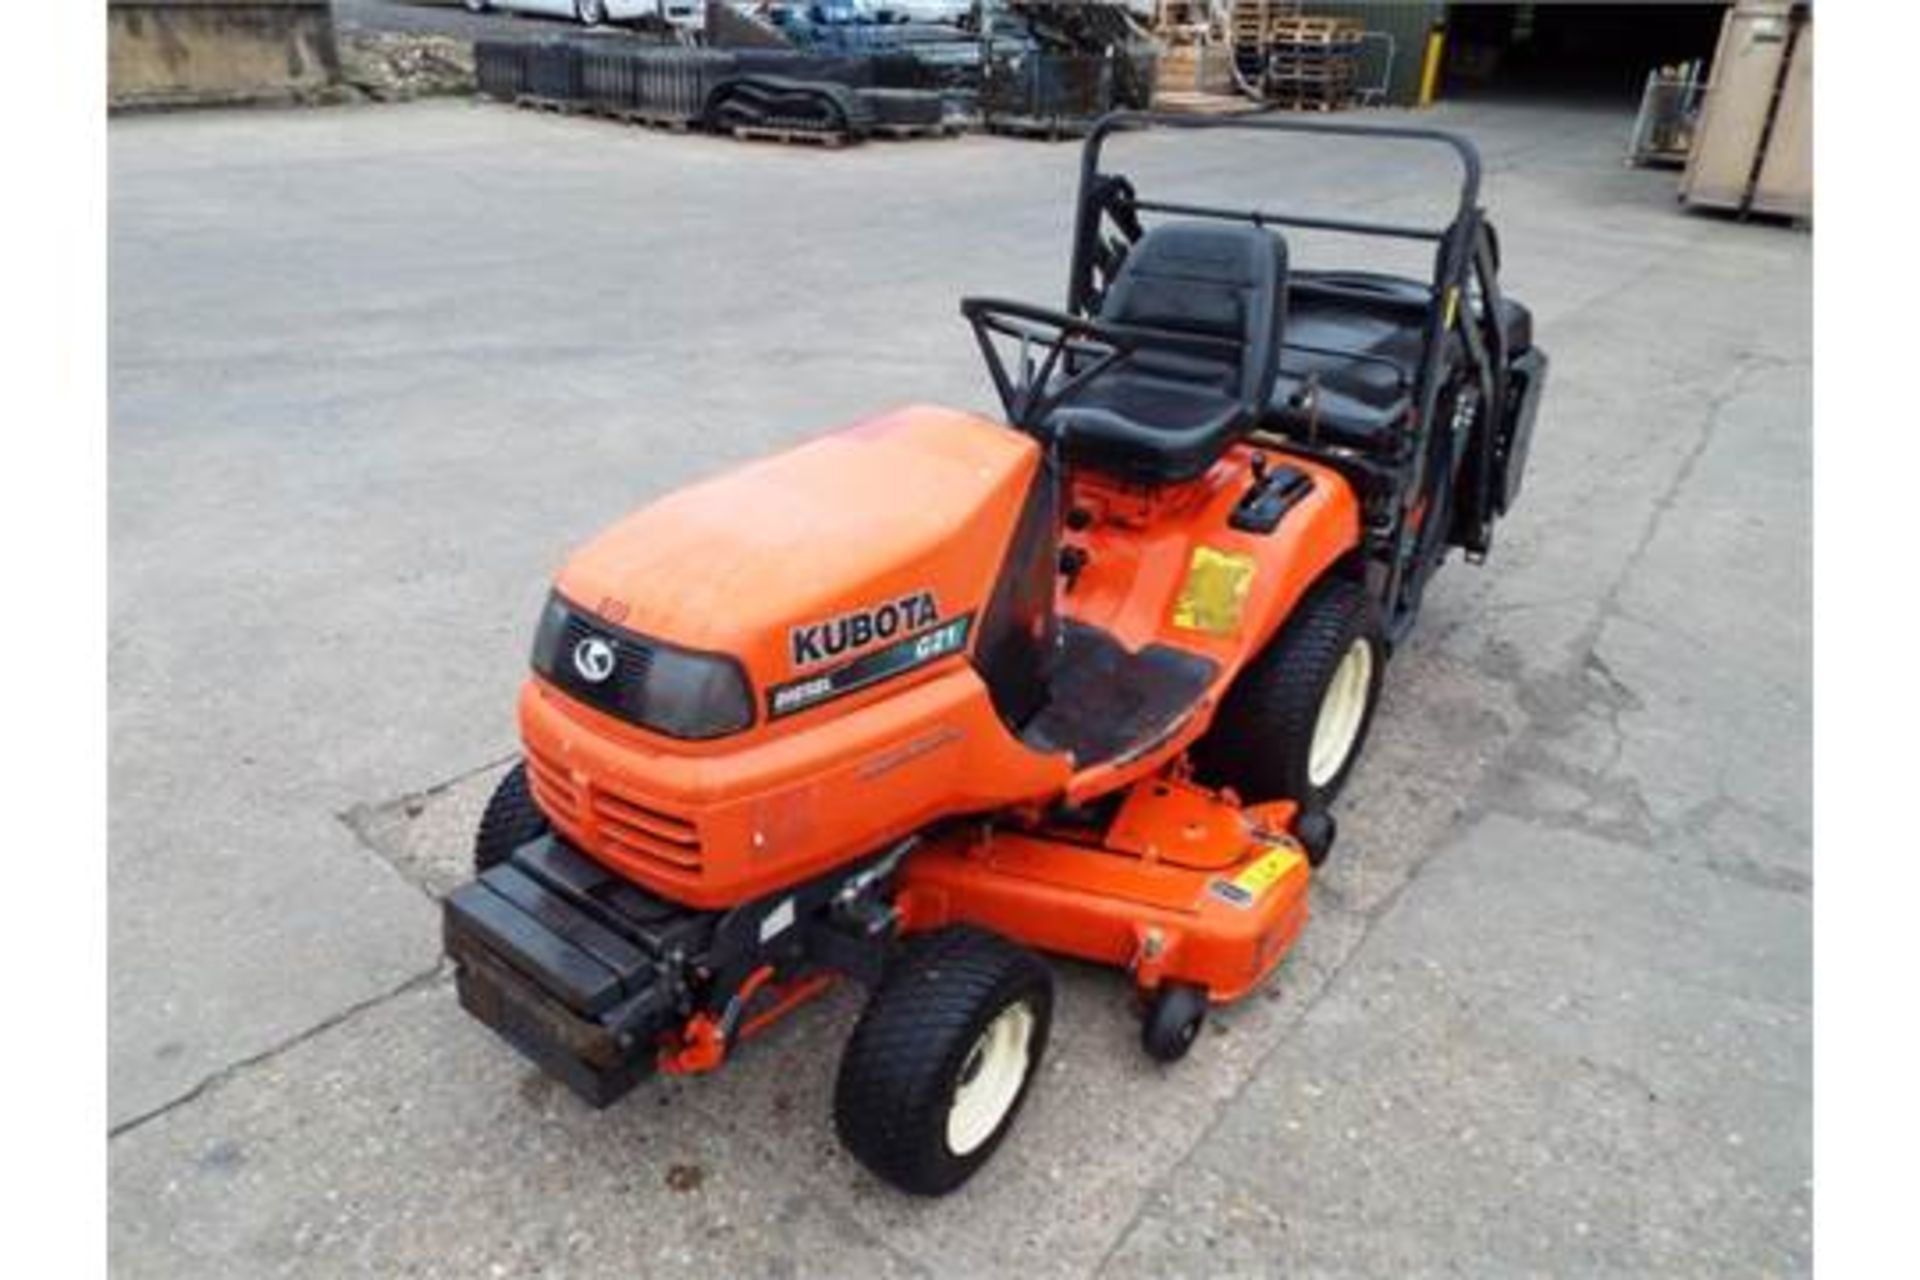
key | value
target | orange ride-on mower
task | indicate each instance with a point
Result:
(928, 696)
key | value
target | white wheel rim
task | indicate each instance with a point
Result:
(1342, 707)
(990, 1079)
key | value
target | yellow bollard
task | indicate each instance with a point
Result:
(1430, 65)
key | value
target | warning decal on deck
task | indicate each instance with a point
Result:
(1254, 879)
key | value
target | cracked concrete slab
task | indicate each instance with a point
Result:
(409, 1145)
(1551, 1014)
(428, 835)
(413, 1142)
(1584, 1045)
(1563, 1055)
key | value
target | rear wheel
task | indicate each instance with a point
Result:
(942, 1058)
(511, 819)
(1292, 726)
(592, 13)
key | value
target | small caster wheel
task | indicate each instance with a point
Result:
(1315, 830)
(1173, 1021)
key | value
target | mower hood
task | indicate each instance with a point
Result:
(841, 548)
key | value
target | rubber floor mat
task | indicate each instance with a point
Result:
(1102, 700)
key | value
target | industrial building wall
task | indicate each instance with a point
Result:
(1407, 21)
(171, 52)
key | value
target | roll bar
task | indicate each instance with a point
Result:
(1463, 250)
(1454, 235)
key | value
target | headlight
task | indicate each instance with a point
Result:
(678, 692)
(695, 695)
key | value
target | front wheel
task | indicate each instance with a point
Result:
(592, 13)
(1292, 726)
(942, 1058)
(511, 820)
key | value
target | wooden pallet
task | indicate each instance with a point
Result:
(1331, 77)
(1194, 68)
(1206, 104)
(647, 119)
(559, 106)
(1283, 86)
(1252, 19)
(1306, 53)
(903, 132)
(1314, 31)
(807, 137)
(1056, 130)
(1323, 68)
(1288, 102)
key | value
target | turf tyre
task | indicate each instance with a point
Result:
(903, 1074)
(510, 820)
(1261, 743)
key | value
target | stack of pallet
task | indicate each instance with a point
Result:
(1249, 28)
(1293, 59)
(1312, 62)
(1194, 53)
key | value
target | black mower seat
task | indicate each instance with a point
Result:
(1357, 340)
(1163, 416)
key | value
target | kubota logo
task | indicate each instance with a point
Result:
(852, 632)
(593, 659)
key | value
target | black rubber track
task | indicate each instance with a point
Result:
(1263, 735)
(511, 819)
(904, 106)
(903, 1061)
(796, 106)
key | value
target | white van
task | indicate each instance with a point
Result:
(688, 15)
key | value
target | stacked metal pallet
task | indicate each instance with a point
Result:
(1050, 68)
(1044, 94)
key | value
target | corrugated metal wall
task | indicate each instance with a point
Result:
(1407, 21)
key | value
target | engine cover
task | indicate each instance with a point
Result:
(826, 569)
(852, 579)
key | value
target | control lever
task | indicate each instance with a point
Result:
(1274, 491)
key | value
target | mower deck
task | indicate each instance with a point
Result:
(1184, 886)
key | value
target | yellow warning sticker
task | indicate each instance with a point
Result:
(1254, 879)
(1263, 872)
(1215, 592)
(1453, 304)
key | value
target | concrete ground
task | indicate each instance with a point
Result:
(374, 370)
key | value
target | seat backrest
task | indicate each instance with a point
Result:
(1215, 279)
